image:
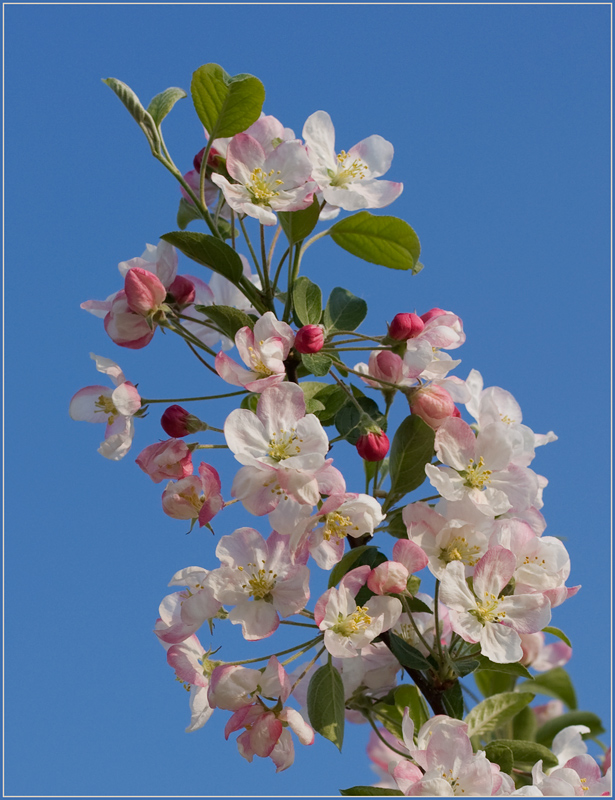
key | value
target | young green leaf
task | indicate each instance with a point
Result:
(490, 682)
(226, 105)
(307, 300)
(186, 213)
(325, 704)
(227, 318)
(407, 655)
(297, 225)
(357, 557)
(524, 725)
(499, 753)
(164, 102)
(344, 311)
(554, 683)
(524, 754)
(387, 241)
(495, 710)
(518, 670)
(348, 417)
(407, 696)
(411, 449)
(143, 118)
(317, 363)
(546, 732)
(556, 632)
(333, 397)
(208, 251)
(453, 701)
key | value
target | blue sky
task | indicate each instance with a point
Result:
(500, 120)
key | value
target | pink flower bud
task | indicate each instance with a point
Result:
(170, 459)
(373, 446)
(182, 290)
(126, 328)
(144, 291)
(198, 159)
(386, 365)
(456, 413)
(309, 339)
(434, 312)
(405, 326)
(433, 405)
(177, 422)
(388, 578)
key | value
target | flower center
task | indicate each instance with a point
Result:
(347, 171)
(459, 550)
(476, 475)
(105, 406)
(257, 364)
(282, 444)
(191, 497)
(353, 623)
(487, 609)
(336, 526)
(259, 581)
(505, 418)
(262, 185)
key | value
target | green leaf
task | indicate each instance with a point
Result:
(299, 224)
(208, 251)
(250, 401)
(227, 318)
(348, 417)
(333, 397)
(344, 311)
(186, 213)
(524, 754)
(499, 753)
(556, 632)
(316, 363)
(452, 699)
(357, 557)
(495, 710)
(226, 105)
(164, 102)
(546, 732)
(491, 682)
(325, 704)
(370, 791)
(465, 667)
(407, 655)
(518, 670)
(311, 388)
(143, 118)
(411, 449)
(407, 696)
(524, 725)
(387, 241)
(554, 683)
(307, 301)
(395, 525)
(313, 406)
(414, 604)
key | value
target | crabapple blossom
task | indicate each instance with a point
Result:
(390, 577)
(145, 293)
(484, 615)
(182, 613)
(266, 182)
(388, 366)
(348, 179)
(115, 407)
(260, 580)
(263, 350)
(195, 497)
(181, 291)
(169, 459)
(160, 260)
(373, 445)
(541, 656)
(348, 627)
(425, 623)
(281, 449)
(124, 326)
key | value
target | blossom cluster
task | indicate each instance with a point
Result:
(376, 633)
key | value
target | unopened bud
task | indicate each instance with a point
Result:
(390, 577)
(433, 312)
(182, 291)
(309, 339)
(373, 446)
(145, 292)
(433, 405)
(405, 326)
(177, 422)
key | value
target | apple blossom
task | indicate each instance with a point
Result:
(348, 179)
(432, 404)
(169, 459)
(115, 407)
(541, 656)
(195, 497)
(145, 293)
(182, 613)
(388, 366)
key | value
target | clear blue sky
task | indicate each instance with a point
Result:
(499, 115)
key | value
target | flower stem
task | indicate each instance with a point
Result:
(188, 399)
(381, 737)
(307, 669)
(281, 653)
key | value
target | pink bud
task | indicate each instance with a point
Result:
(433, 405)
(177, 422)
(373, 446)
(182, 290)
(434, 312)
(126, 328)
(309, 339)
(198, 159)
(386, 365)
(456, 412)
(405, 326)
(144, 291)
(170, 459)
(388, 578)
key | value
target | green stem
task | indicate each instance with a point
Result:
(351, 396)
(414, 625)
(344, 349)
(266, 284)
(188, 399)
(311, 241)
(426, 499)
(301, 652)
(436, 614)
(211, 447)
(307, 669)
(298, 624)
(233, 230)
(381, 737)
(339, 364)
(276, 277)
(201, 359)
(281, 653)
(251, 249)
(184, 333)
(293, 269)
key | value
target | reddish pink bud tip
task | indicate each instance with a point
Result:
(177, 422)
(309, 339)
(434, 312)
(433, 404)
(373, 446)
(198, 160)
(182, 290)
(456, 412)
(144, 291)
(405, 326)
